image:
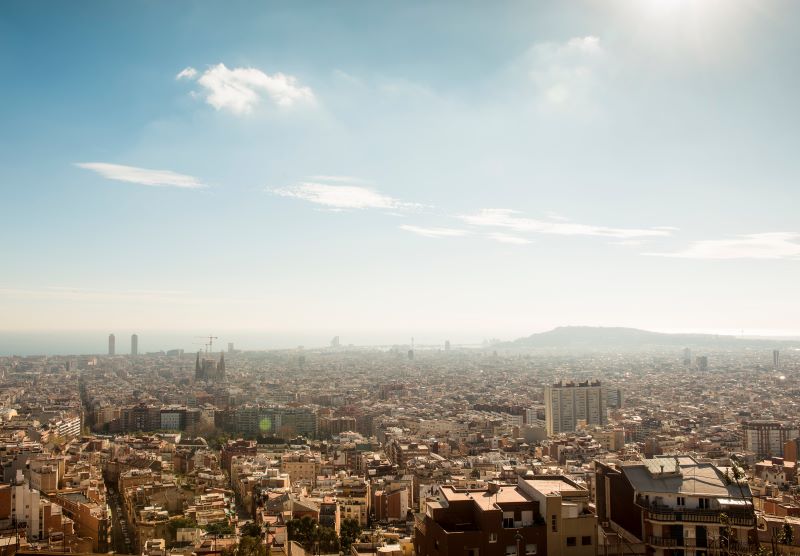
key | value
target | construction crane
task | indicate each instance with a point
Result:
(210, 344)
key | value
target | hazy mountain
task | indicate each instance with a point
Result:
(597, 337)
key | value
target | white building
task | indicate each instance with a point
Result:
(568, 404)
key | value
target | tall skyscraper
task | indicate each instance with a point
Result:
(567, 403)
(687, 356)
(776, 359)
(112, 349)
(134, 344)
(447, 345)
(702, 363)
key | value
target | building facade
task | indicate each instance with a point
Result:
(568, 404)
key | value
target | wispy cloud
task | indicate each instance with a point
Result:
(142, 176)
(240, 90)
(510, 219)
(341, 196)
(434, 232)
(340, 179)
(187, 73)
(507, 238)
(769, 245)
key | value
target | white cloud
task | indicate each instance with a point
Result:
(341, 196)
(187, 73)
(434, 232)
(564, 74)
(587, 45)
(509, 219)
(339, 179)
(507, 238)
(239, 90)
(142, 176)
(770, 245)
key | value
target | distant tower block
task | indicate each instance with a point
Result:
(702, 363)
(112, 342)
(230, 347)
(447, 345)
(776, 359)
(411, 355)
(687, 356)
(335, 342)
(134, 344)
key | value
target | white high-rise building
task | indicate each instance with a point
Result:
(134, 344)
(568, 403)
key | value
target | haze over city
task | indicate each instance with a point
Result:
(417, 278)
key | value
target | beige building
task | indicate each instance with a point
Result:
(564, 505)
(301, 466)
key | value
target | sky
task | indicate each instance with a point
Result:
(445, 170)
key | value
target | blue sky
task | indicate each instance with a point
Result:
(380, 170)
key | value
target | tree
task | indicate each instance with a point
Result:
(182, 523)
(349, 533)
(311, 536)
(250, 546)
(787, 535)
(219, 529)
(251, 530)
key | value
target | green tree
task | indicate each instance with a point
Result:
(250, 546)
(251, 530)
(787, 535)
(219, 529)
(349, 533)
(182, 523)
(311, 536)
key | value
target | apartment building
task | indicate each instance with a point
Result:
(569, 404)
(767, 438)
(498, 519)
(676, 506)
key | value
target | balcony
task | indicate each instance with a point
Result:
(664, 542)
(660, 513)
(742, 519)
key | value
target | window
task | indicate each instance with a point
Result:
(704, 503)
(527, 518)
(530, 549)
(554, 524)
(473, 552)
(586, 541)
(508, 520)
(681, 501)
(492, 537)
(511, 550)
(572, 541)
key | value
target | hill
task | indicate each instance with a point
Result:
(599, 337)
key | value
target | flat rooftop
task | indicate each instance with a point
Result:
(555, 486)
(486, 500)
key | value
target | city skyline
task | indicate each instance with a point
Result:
(415, 169)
